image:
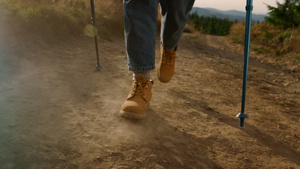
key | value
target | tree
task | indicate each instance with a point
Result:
(210, 25)
(285, 15)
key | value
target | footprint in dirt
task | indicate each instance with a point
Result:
(153, 140)
(148, 130)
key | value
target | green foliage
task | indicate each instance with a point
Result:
(237, 40)
(280, 41)
(66, 18)
(285, 15)
(29, 12)
(210, 25)
(268, 39)
(44, 19)
(74, 10)
(261, 50)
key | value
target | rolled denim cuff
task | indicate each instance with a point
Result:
(140, 69)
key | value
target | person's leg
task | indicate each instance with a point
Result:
(146, 74)
(175, 15)
(140, 19)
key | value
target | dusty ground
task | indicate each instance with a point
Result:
(56, 111)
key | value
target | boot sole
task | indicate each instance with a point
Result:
(130, 115)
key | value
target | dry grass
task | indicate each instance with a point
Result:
(268, 39)
(189, 28)
(237, 32)
(295, 42)
(67, 18)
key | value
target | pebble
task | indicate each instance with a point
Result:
(123, 167)
(100, 159)
(157, 166)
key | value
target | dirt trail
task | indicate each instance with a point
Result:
(58, 112)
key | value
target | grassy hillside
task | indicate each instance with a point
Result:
(66, 18)
(269, 40)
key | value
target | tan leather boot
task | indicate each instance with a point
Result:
(136, 104)
(166, 66)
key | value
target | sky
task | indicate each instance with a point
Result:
(259, 6)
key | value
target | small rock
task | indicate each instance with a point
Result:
(168, 144)
(286, 84)
(116, 154)
(153, 157)
(100, 159)
(157, 166)
(123, 167)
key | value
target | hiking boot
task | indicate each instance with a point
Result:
(166, 66)
(136, 104)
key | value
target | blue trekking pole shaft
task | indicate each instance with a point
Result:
(98, 66)
(249, 9)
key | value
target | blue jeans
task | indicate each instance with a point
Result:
(140, 19)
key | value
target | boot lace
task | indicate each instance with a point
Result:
(169, 57)
(139, 88)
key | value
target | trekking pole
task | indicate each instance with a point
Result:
(249, 9)
(98, 66)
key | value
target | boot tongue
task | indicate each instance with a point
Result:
(141, 78)
(138, 84)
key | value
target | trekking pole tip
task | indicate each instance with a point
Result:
(98, 67)
(242, 117)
